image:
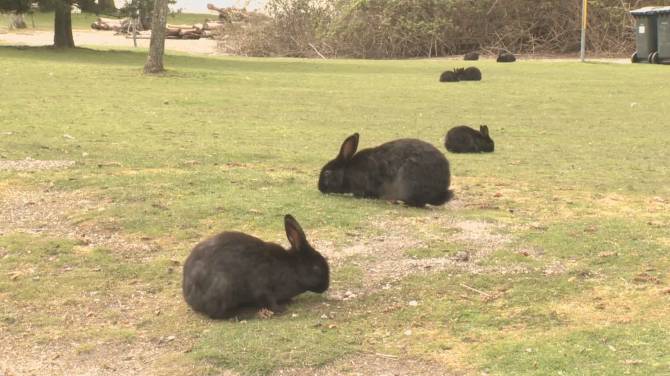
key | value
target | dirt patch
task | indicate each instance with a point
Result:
(106, 332)
(555, 268)
(372, 365)
(79, 359)
(52, 213)
(55, 360)
(384, 259)
(33, 165)
(481, 234)
(123, 330)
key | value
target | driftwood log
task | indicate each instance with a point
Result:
(172, 32)
(230, 14)
(184, 31)
(111, 24)
(213, 25)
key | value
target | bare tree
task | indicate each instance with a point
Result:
(154, 62)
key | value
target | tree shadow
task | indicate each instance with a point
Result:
(213, 63)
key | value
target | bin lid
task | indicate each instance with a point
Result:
(646, 11)
(662, 10)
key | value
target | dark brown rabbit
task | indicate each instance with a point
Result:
(233, 269)
(449, 76)
(461, 74)
(408, 170)
(470, 74)
(506, 58)
(463, 139)
(471, 56)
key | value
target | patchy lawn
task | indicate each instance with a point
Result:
(552, 259)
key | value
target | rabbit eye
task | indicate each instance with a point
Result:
(327, 174)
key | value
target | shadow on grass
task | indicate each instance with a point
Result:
(224, 63)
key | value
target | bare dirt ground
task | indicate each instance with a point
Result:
(371, 364)
(50, 213)
(33, 165)
(54, 213)
(99, 38)
(383, 259)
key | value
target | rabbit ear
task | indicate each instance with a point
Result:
(484, 130)
(294, 233)
(348, 148)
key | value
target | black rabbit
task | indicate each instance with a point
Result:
(409, 170)
(471, 56)
(505, 57)
(470, 74)
(449, 76)
(232, 269)
(461, 74)
(463, 139)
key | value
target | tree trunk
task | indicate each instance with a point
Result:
(154, 62)
(63, 25)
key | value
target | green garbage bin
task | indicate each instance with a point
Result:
(662, 54)
(645, 34)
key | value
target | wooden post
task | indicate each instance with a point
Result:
(582, 53)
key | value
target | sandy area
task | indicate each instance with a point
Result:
(83, 38)
(98, 38)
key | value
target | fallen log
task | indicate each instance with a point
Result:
(214, 25)
(172, 32)
(192, 33)
(171, 26)
(190, 36)
(110, 24)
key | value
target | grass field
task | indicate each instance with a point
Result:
(553, 258)
(82, 21)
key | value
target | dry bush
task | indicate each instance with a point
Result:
(245, 38)
(413, 28)
(245, 35)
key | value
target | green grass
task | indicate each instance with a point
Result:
(259, 346)
(631, 350)
(82, 21)
(578, 185)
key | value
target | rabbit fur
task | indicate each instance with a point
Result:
(408, 170)
(506, 58)
(461, 74)
(449, 76)
(232, 269)
(463, 139)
